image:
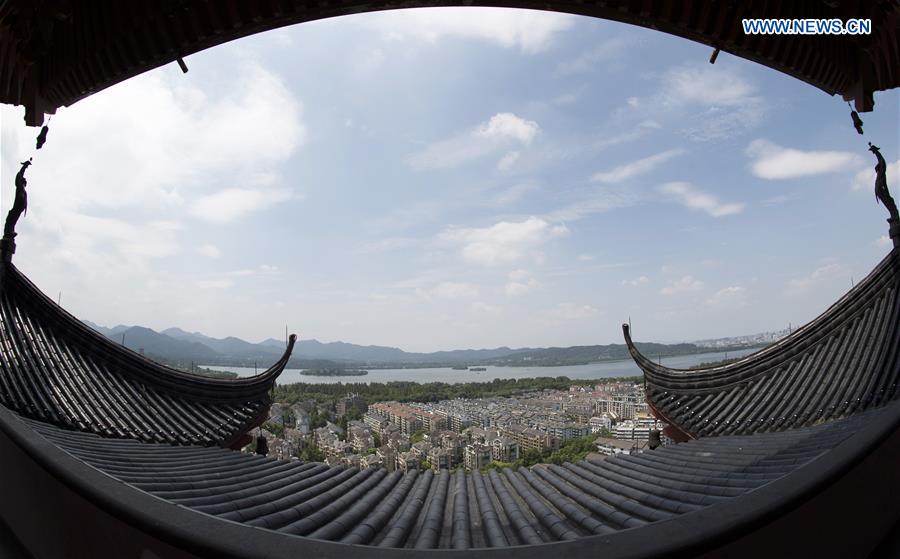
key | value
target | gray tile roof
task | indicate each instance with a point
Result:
(535, 505)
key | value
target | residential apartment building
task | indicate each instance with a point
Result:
(504, 449)
(351, 401)
(531, 439)
(477, 456)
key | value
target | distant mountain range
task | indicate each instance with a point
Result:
(178, 347)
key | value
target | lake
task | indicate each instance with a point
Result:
(606, 369)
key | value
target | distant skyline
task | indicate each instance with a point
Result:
(447, 178)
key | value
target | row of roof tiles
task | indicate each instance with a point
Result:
(535, 505)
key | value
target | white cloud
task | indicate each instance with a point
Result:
(632, 133)
(227, 280)
(773, 162)
(515, 288)
(209, 251)
(454, 291)
(865, 179)
(507, 161)
(634, 168)
(571, 311)
(883, 241)
(263, 270)
(596, 199)
(151, 145)
(527, 30)
(503, 242)
(520, 283)
(234, 203)
(707, 85)
(718, 103)
(483, 308)
(387, 244)
(728, 298)
(640, 280)
(497, 133)
(686, 284)
(587, 60)
(519, 275)
(690, 197)
(829, 269)
(513, 194)
(585, 257)
(82, 234)
(508, 125)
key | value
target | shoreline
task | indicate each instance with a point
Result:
(598, 370)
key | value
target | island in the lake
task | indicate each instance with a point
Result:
(335, 372)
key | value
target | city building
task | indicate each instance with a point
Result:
(565, 431)
(408, 461)
(612, 447)
(351, 401)
(602, 423)
(531, 439)
(439, 459)
(635, 429)
(504, 449)
(476, 456)
(401, 415)
(372, 461)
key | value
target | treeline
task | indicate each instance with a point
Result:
(407, 391)
(582, 355)
(711, 364)
(213, 373)
(571, 451)
(191, 368)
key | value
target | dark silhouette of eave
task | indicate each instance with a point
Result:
(62, 371)
(845, 359)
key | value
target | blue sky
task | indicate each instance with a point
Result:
(446, 178)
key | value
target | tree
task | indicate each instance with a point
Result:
(342, 423)
(353, 414)
(497, 465)
(316, 420)
(311, 453)
(531, 457)
(406, 391)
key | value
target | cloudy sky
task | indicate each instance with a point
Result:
(448, 178)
